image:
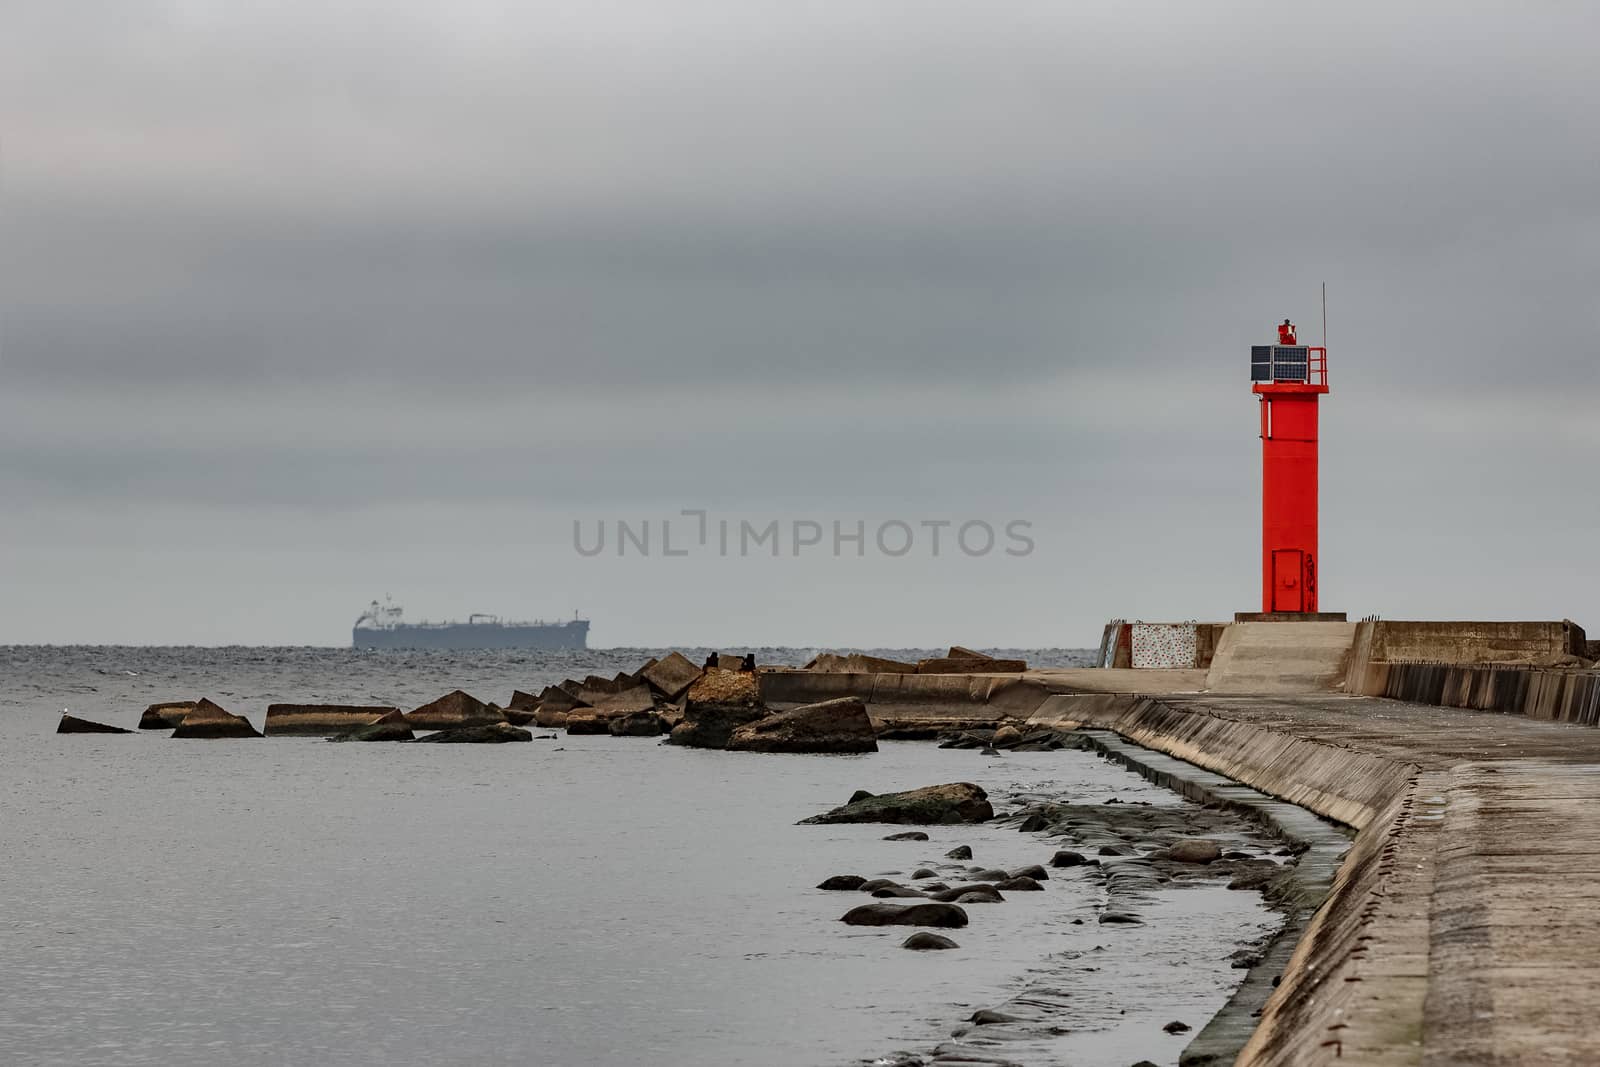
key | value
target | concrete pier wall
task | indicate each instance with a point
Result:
(1547, 694)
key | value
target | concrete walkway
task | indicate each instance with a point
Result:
(1464, 927)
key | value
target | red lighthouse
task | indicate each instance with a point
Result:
(1288, 380)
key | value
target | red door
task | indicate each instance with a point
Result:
(1288, 580)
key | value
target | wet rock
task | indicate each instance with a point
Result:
(1255, 877)
(1021, 884)
(872, 884)
(1177, 1027)
(923, 872)
(992, 875)
(1194, 850)
(990, 1017)
(859, 794)
(1006, 736)
(842, 881)
(956, 802)
(989, 751)
(1236, 855)
(209, 720)
(896, 891)
(1124, 918)
(390, 727)
(1034, 871)
(71, 724)
(1066, 858)
(488, 734)
(834, 726)
(1033, 824)
(922, 941)
(929, 914)
(909, 835)
(586, 722)
(960, 852)
(165, 716)
(711, 725)
(320, 720)
(969, 894)
(638, 724)
(452, 710)
(1118, 850)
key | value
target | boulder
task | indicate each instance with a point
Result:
(908, 835)
(922, 941)
(391, 727)
(960, 852)
(670, 715)
(165, 716)
(924, 872)
(71, 724)
(850, 882)
(672, 676)
(1033, 870)
(1019, 884)
(992, 875)
(711, 725)
(897, 891)
(453, 710)
(1177, 1026)
(1068, 859)
(930, 914)
(990, 1017)
(1006, 736)
(1193, 850)
(486, 734)
(638, 724)
(956, 802)
(724, 688)
(320, 720)
(209, 720)
(833, 726)
(969, 894)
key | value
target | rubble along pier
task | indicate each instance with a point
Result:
(1464, 924)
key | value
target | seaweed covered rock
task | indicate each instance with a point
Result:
(487, 734)
(711, 725)
(834, 726)
(391, 727)
(955, 802)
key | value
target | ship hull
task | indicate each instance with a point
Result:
(467, 636)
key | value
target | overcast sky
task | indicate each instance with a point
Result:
(306, 303)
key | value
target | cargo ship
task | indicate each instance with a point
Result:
(380, 626)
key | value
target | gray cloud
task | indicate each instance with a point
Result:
(280, 269)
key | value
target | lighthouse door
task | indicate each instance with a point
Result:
(1288, 580)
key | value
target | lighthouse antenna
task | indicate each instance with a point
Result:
(1324, 314)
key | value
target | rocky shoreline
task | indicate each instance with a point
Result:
(1119, 855)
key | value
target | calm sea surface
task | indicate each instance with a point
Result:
(583, 900)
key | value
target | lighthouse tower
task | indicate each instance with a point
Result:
(1288, 379)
